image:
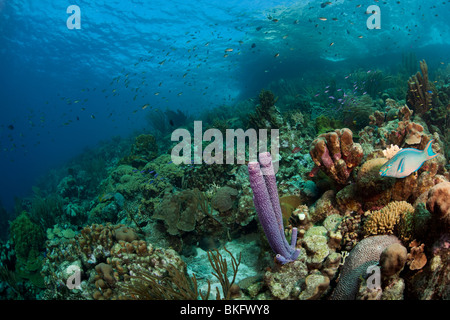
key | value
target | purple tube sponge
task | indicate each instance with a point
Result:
(267, 205)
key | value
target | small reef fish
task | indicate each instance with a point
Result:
(106, 197)
(313, 172)
(296, 149)
(407, 161)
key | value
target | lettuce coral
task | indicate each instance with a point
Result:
(178, 211)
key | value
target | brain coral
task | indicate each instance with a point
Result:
(366, 253)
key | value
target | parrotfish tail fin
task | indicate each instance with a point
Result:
(429, 150)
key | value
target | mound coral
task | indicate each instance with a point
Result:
(365, 254)
(393, 259)
(336, 154)
(438, 202)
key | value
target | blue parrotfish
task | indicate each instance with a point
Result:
(407, 161)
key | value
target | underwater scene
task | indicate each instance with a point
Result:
(225, 150)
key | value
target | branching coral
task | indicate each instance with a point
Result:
(266, 114)
(336, 154)
(220, 267)
(175, 285)
(394, 218)
(419, 96)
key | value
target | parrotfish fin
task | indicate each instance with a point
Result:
(401, 165)
(429, 150)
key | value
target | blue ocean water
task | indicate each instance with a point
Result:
(65, 90)
(55, 80)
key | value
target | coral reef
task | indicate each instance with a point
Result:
(438, 203)
(394, 218)
(105, 255)
(266, 115)
(336, 154)
(142, 151)
(123, 221)
(365, 254)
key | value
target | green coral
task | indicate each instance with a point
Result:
(266, 115)
(28, 239)
(421, 220)
(325, 124)
(143, 150)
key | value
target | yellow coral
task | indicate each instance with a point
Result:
(393, 218)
